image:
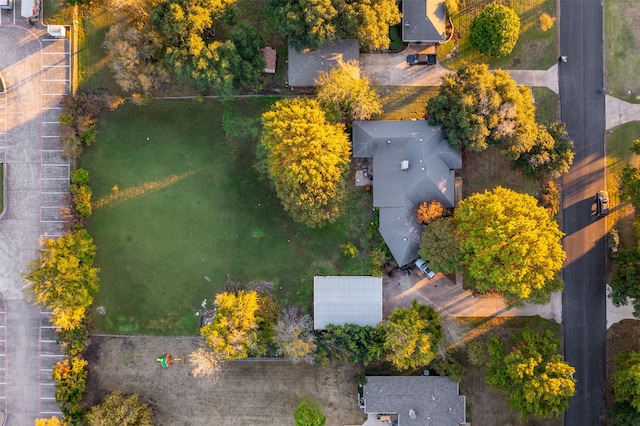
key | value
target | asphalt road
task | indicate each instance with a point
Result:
(583, 110)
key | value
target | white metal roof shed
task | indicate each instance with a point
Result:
(346, 300)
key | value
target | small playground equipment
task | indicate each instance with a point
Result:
(167, 360)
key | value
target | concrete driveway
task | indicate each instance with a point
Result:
(449, 298)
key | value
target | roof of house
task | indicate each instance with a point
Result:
(433, 400)
(346, 300)
(303, 67)
(428, 174)
(423, 20)
(270, 60)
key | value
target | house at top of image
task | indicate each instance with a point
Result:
(303, 66)
(424, 21)
(412, 163)
(412, 401)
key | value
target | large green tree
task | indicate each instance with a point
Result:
(510, 244)
(232, 332)
(196, 49)
(478, 108)
(344, 92)
(625, 280)
(412, 336)
(309, 23)
(306, 157)
(535, 377)
(354, 343)
(64, 279)
(626, 379)
(441, 245)
(630, 185)
(552, 154)
(495, 30)
(117, 409)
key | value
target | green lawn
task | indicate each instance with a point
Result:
(484, 405)
(618, 145)
(535, 49)
(189, 209)
(622, 39)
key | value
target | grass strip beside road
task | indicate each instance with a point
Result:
(618, 150)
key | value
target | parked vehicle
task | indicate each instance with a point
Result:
(602, 203)
(424, 267)
(422, 59)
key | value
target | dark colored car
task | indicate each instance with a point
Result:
(422, 59)
(602, 202)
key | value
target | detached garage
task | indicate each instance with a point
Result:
(347, 300)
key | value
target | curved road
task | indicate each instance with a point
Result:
(583, 110)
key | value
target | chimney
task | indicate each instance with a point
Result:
(404, 164)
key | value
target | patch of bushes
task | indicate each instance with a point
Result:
(78, 120)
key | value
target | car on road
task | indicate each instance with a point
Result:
(422, 59)
(424, 267)
(602, 202)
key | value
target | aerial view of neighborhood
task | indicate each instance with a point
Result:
(319, 212)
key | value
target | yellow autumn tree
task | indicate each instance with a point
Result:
(232, 332)
(53, 421)
(345, 92)
(63, 278)
(306, 157)
(509, 244)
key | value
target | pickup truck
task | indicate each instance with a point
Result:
(422, 59)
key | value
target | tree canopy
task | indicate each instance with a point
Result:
(478, 108)
(117, 409)
(535, 377)
(495, 30)
(550, 156)
(441, 245)
(309, 23)
(626, 379)
(294, 337)
(625, 280)
(63, 278)
(232, 332)
(306, 157)
(412, 336)
(509, 244)
(344, 92)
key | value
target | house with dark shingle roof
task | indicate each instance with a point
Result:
(412, 163)
(424, 20)
(303, 66)
(413, 400)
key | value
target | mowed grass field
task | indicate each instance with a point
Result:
(621, 43)
(189, 210)
(535, 49)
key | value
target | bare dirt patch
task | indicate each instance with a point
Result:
(247, 393)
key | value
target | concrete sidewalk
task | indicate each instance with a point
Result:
(449, 298)
(620, 112)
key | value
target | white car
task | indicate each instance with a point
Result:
(424, 267)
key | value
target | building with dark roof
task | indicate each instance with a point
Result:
(303, 66)
(424, 21)
(414, 400)
(412, 163)
(341, 300)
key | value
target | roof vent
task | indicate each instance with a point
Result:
(412, 414)
(404, 164)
